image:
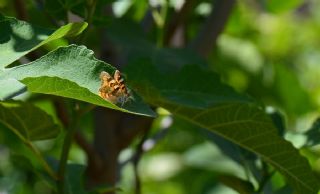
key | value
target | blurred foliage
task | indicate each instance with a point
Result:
(269, 49)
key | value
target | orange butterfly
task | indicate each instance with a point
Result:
(113, 88)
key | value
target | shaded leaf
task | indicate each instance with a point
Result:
(199, 97)
(284, 190)
(28, 122)
(313, 134)
(17, 38)
(71, 72)
(241, 186)
(21, 162)
(167, 59)
(74, 179)
(230, 149)
(278, 121)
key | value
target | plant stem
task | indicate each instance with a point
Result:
(92, 8)
(42, 160)
(266, 177)
(136, 160)
(64, 155)
(159, 18)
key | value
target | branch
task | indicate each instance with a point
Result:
(65, 154)
(136, 160)
(85, 145)
(178, 19)
(214, 25)
(78, 137)
(62, 114)
(61, 111)
(147, 145)
(114, 131)
(21, 10)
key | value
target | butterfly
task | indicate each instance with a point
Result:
(113, 88)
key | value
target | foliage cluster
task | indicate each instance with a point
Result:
(211, 85)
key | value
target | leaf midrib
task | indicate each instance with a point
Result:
(248, 148)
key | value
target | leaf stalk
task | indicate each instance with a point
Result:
(65, 153)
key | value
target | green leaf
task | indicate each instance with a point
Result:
(313, 135)
(18, 38)
(74, 179)
(291, 99)
(28, 122)
(282, 6)
(71, 72)
(239, 185)
(199, 97)
(284, 190)
(10, 88)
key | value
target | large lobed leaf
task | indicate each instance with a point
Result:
(71, 72)
(28, 122)
(199, 97)
(17, 38)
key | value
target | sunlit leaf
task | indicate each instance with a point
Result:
(71, 72)
(18, 38)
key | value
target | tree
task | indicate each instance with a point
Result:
(62, 94)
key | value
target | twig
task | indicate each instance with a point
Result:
(265, 178)
(61, 111)
(65, 153)
(136, 160)
(178, 19)
(71, 132)
(140, 149)
(155, 138)
(21, 10)
(159, 15)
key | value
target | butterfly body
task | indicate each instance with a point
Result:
(113, 88)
